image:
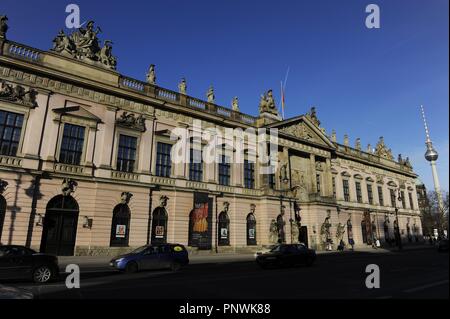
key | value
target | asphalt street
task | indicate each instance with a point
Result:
(420, 273)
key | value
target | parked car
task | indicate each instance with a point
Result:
(287, 255)
(172, 256)
(443, 245)
(19, 262)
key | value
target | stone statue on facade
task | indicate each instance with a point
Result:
(163, 201)
(382, 151)
(312, 116)
(273, 232)
(129, 120)
(3, 186)
(267, 103)
(346, 141)
(3, 27)
(68, 186)
(125, 197)
(280, 226)
(358, 144)
(235, 104)
(182, 86)
(295, 231)
(17, 94)
(83, 44)
(369, 148)
(351, 242)
(151, 75)
(325, 232)
(226, 207)
(210, 95)
(340, 231)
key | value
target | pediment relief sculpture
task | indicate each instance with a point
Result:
(346, 174)
(369, 179)
(83, 44)
(358, 176)
(18, 94)
(380, 179)
(382, 150)
(300, 131)
(320, 166)
(129, 120)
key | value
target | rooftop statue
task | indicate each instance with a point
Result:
(182, 86)
(267, 103)
(210, 95)
(83, 44)
(151, 75)
(358, 144)
(382, 151)
(312, 116)
(235, 104)
(3, 27)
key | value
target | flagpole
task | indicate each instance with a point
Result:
(282, 101)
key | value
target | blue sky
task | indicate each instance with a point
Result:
(364, 82)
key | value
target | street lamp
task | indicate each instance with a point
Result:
(397, 225)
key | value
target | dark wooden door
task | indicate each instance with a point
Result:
(59, 233)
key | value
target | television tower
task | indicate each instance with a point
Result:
(431, 155)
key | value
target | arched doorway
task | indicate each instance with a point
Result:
(251, 230)
(2, 214)
(60, 226)
(224, 229)
(159, 226)
(120, 226)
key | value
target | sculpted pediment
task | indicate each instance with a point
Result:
(304, 130)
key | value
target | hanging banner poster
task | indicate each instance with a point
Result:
(200, 222)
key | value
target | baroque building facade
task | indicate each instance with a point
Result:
(86, 165)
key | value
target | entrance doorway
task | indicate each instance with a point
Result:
(159, 226)
(303, 235)
(60, 226)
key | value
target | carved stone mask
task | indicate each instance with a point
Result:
(163, 201)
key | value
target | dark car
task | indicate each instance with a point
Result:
(18, 262)
(286, 255)
(172, 256)
(443, 245)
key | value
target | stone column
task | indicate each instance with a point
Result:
(145, 147)
(328, 178)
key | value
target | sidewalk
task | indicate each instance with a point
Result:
(97, 263)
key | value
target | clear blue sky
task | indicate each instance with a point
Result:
(365, 83)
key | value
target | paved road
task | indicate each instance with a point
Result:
(407, 274)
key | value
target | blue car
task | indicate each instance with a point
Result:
(162, 256)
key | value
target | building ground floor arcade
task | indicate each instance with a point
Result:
(84, 217)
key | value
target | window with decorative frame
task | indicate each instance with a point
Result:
(11, 124)
(359, 198)
(126, 155)
(346, 189)
(163, 159)
(370, 193)
(411, 202)
(224, 170)
(195, 165)
(380, 195)
(72, 144)
(249, 174)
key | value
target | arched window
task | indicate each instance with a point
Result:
(251, 230)
(224, 229)
(60, 226)
(159, 226)
(2, 214)
(120, 227)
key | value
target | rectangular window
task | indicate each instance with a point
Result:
(392, 192)
(196, 166)
(72, 144)
(403, 199)
(249, 174)
(271, 181)
(224, 170)
(163, 159)
(370, 194)
(10, 130)
(380, 195)
(411, 203)
(318, 182)
(333, 181)
(346, 190)
(358, 192)
(126, 156)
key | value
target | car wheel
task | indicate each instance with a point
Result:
(131, 268)
(175, 266)
(42, 274)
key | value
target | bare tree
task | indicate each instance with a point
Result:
(433, 216)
